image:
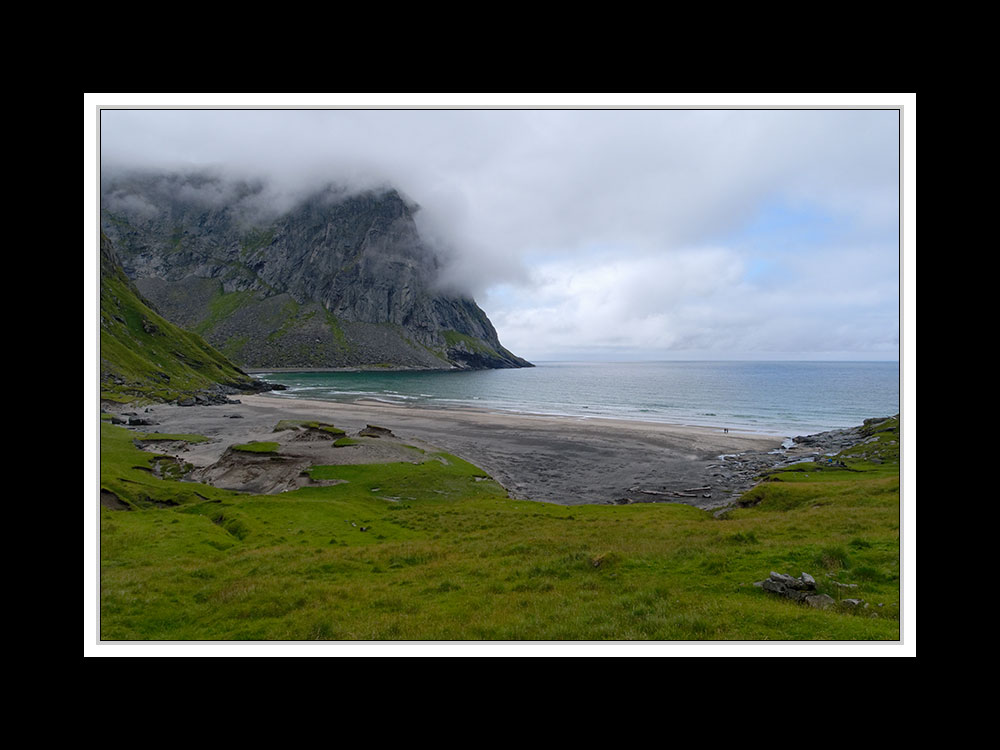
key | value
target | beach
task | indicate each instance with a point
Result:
(564, 460)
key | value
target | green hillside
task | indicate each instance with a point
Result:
(144, 356)
(435, 550)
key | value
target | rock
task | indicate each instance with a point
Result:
(363, 280)
(796, 584)
(855, 602)
(375, 431)
(820, 601)
(796, 589)
(772, 585)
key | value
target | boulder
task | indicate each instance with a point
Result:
(375, 431)
(820, 601)
(797, 589)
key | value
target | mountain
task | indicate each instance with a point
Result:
(144, 355)
(338, 279)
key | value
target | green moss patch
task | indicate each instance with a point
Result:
(454, 339)
(300, 424)
(256, 447)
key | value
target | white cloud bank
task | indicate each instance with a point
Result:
(606, 233)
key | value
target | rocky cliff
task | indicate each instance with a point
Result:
(145, 356)
(336, 280)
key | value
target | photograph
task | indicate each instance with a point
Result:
(499, 375)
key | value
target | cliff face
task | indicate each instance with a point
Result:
(338, 280)
(144, 355)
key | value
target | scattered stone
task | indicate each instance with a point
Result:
(797, 589)
(738, 473)
(855, 602)
(820, 601)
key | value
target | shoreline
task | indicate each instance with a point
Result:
(562, 460)
(728, 404)
(265, 370)
(485, 411)
(372, 401)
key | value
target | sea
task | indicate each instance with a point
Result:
(774, 398)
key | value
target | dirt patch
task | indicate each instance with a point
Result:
(254, 473)
(286, 467)
(111, 501)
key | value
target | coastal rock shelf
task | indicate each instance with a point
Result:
(735, 474)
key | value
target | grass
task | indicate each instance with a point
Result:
(222, 306)
(337, 330)
(454, 339)
(437, 551)
(297, 424)
(156, 437)
(146, 358)
(257, 447)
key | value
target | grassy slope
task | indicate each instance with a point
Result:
(452, 558)
(145, 356)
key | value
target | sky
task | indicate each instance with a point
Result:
(602, 233)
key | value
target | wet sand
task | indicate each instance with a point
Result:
(565, 460)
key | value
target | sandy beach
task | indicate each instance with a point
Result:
(563, 460)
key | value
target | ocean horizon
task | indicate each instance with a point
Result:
(786, 398)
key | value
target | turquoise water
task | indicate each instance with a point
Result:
(784, 398)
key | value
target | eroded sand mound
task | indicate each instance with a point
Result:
(279, 460)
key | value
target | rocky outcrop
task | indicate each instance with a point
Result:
(802, 589)
(337, 280)
(142, 355)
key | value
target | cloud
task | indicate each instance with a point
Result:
(619, 228)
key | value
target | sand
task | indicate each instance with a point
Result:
(565, 460)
